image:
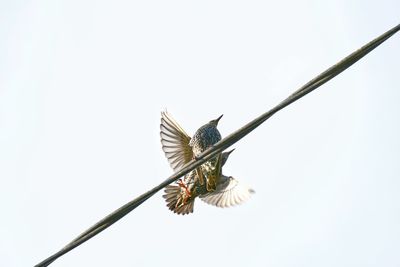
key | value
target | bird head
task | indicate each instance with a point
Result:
(225, 156)
(215, 122)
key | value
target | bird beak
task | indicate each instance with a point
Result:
(230, 151)
(217, 120)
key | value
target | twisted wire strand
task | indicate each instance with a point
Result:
(223, 144)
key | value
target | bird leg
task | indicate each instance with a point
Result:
(199, 172)
(182, 185)
(200, 175)
(184, 196)
(216, 173)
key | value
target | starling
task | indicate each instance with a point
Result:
(179, 148)
(180, 198)
(229, 192)
(175, 143)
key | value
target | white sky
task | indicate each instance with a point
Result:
(82, 84)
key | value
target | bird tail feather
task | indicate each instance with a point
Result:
(174, 198)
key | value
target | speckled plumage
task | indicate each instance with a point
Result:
(205, 137)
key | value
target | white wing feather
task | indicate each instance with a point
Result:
(175, 142)
(229, 192)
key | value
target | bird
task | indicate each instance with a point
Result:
(179, 148)
(180, 198)
(229, 192)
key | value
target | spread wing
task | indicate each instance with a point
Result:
(175, 142)
(229, 192)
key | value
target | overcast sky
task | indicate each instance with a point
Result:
(82, 84)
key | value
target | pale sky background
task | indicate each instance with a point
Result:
(82, 84)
